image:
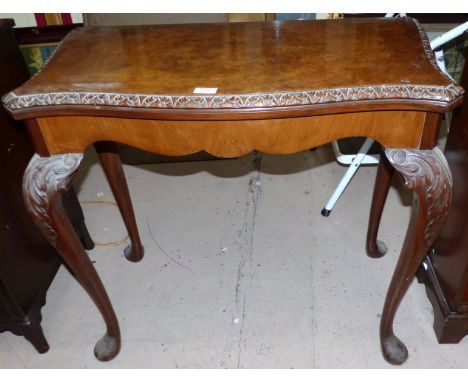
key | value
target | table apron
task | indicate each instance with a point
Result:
(73, 134)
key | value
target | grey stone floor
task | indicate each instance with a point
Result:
(240, 270)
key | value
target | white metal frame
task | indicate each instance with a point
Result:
(355, 161)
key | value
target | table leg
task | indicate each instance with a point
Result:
(112, 166)
(426, 172)
(71, 204)
(45, 180)
(376, 248)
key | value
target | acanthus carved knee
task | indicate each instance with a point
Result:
(427, 173)
(43, 178)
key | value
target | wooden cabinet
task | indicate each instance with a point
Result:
(28, 263)
(445, 270)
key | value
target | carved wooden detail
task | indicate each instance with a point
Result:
(426, 172)
(427, 169)
(43, 177)
(246, 101)
(427, 46)
(429, 52)
(237, 101)
(44, 180)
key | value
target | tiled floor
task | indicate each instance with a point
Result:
(240, 270)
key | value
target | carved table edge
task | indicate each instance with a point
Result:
(403, 91)
(408, 92)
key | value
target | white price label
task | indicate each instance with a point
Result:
(205, 90)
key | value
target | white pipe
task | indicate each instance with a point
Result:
(347, 159)
(392, 14)
(356, 162)
(447, 36)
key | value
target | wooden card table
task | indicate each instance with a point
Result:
(228, 89)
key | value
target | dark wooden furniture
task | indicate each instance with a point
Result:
(28, 263)
(43, 35)
(281, 87)
(445, 269)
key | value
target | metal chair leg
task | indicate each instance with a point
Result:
(353, 167)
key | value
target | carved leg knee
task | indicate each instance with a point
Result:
(44, 182)
(426, 172)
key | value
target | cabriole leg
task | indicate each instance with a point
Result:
(44, 182)
(426, 172)
(376, 248)
(112, 166)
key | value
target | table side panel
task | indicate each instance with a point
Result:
(67, 134)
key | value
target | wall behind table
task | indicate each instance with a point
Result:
(113, 19)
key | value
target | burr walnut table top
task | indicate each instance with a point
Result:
(279, 66)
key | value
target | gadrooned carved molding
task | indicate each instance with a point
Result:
(236, 101)
(43, 178)
(240, 101)
(428, 174)
(427, 46)
(429, 52)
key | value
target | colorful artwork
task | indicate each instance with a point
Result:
(36, 55)
(46, 19)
